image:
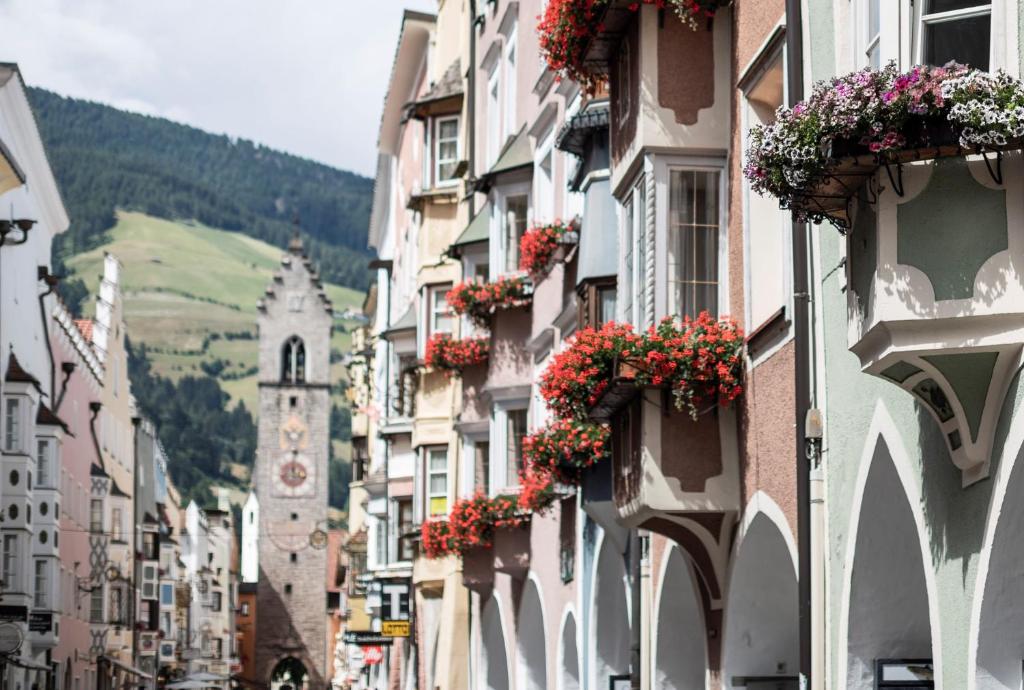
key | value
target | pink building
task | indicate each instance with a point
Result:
(79, 385)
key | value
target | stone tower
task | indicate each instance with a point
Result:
(294, 320)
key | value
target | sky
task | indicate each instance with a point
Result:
(304, 76)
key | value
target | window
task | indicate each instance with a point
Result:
(166, 624)
(96, 605)
(515, 425)
(872, 28)
(544, 179)
(441, 316)
(150, 546)
(437, 481)
(115, 524)
(446, 156)
(149, 583)
(693, 242)
(510, 84)
(218, 648)
(41, 596)
(493, 114)
(245, 608)
(482, 465)
(12, 425)
(513, 228)
(293, 361)
(957, 30)
(44, 453)
(403, 507)
(634, 259)
(96, 515)
(10, 563)
(166, 594)
(217, 601)
(605, 304)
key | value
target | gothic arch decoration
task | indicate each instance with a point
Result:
(761, 612)
(290, 671)
(680, 652)
(568, 655)
(999, 628)
(493, 652)
(886, 617)
(532, 640)
(293, 360)
(610, 632)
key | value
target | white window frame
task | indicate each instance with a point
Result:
(499, 236)
(662, 167)
(9, 563)
(748, 119)
(430, 474)
(15, 423)
(633, 279)
(45, 461)
(509, 60)
(438, 161)
(997, 57)
(499, 469)
(493, 114)
(116, 518)
(544, 183)
(434, 313)
(41, 584)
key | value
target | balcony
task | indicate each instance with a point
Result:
(933, 303)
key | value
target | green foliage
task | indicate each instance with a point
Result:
(201, 435)
(106, 159)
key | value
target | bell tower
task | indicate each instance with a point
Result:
(290, 474)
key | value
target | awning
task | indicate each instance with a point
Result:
(516, 155)
(478, 230)
(126, 668)
(407, 322)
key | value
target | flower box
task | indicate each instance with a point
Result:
(480, 301)
(816, 157)
(543, 245)
(444, 353)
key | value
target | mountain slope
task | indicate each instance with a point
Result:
(190, 296)
(106, 159)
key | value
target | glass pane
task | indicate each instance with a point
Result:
(606, 305)
(438, 460)
(962, 40)
(449, 129)
(936, 6)
(438, 505)
(446, 150)
(438, 484)
(705, 254)
(693, 242)
(874, 22)
(705, 199)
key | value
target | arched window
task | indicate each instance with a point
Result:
(293, 360)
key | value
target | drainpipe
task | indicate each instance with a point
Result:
(43, 274)
(802, 372)
(636, 619)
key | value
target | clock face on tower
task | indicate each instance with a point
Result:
(293, 476)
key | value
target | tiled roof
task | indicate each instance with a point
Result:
(450, 84)
(85, 326)
(46, 416)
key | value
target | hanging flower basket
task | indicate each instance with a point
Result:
(699, 362)
(567, 28)
(480, 301)
(817, 156)
(444, 353)
(567, 446)
(539, 246)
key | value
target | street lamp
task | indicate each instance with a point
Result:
(9, 226)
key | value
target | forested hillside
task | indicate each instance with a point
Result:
(106, 159)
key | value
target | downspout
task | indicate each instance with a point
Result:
(51, 282)
(137, 566)
(95, 408)
(802, 363)
(471, 199)
(636, 602)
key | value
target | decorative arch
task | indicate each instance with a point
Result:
(996, 638)
(290, 672)
(609, 622)
(568, 654)
(881, 616)
(531, 639)
(493, 650)
(293, 360)
(762, 634)
(680, 652)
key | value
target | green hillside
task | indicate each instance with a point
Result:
(190, 298)
(106, 159)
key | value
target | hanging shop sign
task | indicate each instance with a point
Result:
(373, 654)
(394, 628)
(364, 639)
(39, 622)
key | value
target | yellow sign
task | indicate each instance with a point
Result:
(394, 628)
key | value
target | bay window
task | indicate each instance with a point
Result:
(404, 521)
(513, 212)
(959, 30)
(41, 595)
(44, 461)
(634, 256)
(14, 424)
(515, 432)
(446, 150)
(440, 317)
(508, 428)
(693, 242)
(9, 564)
(437, 481)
